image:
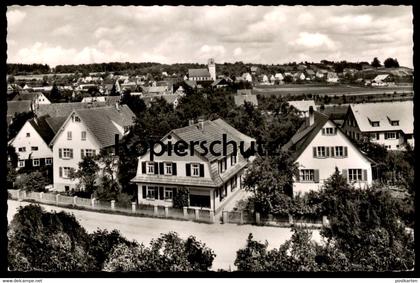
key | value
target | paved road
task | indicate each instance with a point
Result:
(224, 239)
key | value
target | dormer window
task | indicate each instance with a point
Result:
(375, 123)
(76, 119)
(395, 123)
(329, 131)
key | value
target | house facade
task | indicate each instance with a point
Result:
(388, 123)
(84, 133)
(31, 143)
(319, 147)
(210, 180)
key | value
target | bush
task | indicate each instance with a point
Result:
(180, 199)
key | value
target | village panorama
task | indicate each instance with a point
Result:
(212, 162)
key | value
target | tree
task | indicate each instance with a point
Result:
(11, 176)
(55, 95)
(10, 79)
(87, 175)
(49, 242)
(391, 63)
(376, 63)
(33, 181)
(18, 120)
(167, 253)
(181, 198)
(270, 180)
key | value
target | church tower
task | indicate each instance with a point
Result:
(212, 69)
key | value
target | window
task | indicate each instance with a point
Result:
(28, 135)
(390, 135)
(374, 136)
(83, 135)
(22, 149)
(66, 172)
(355, 175)
(307, 175)
(168, 194)
(90, 152)
(329, 131)
(232, 160)
(195, 170)
(168, 168)
(67, 153)
(375, 124)
(69, 135)
(339, 151)
(150, 168)
(76, 119)
(48, 161)
(35, 162)
(234, 183)
(34, 148)
(395, 123)
(321, 151)
(21, 163)
(222, 165)
(150, 193)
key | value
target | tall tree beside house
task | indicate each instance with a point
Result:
(87, 175)
(391, 63)
(11, 176)
(33, 181)
(55, 94)
(270, 179)
(376, 63)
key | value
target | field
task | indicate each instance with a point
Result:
(333, 90)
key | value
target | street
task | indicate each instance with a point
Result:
(224, 239)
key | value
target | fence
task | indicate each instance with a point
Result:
(248, 217)
(133, 208)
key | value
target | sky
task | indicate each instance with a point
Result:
(57, 35)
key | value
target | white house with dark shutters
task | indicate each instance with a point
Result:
(210, 180)
(84, 133)
(319, 146)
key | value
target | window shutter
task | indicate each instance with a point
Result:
(71, 153)
(82, 153)
(156, 167)
(143, 167)
(144, 192)
(201, 170)
(156, 193)
(344, 173)
(323, 131)
(345, 151)
(161, 196)
(332, 151)
(60, 153)
(60, 171)
(364, 175)
(174, 191)
(314, 148)
(188, 169)
(327, 151)
(161, 168)
(174, 169)
(316, 176)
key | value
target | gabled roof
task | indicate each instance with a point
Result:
(198, 73)
(219, 81)
(302, 105)
(43, 128)
(100, 122)
(14, 107)
(64, 109)
(55, 123)
(211, 131)
(305, 134)
(241, 98)
(380, 78)
(383, 112)
(26, 95)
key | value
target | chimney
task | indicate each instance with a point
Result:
(311, 116)
(200, 123)
(117, 141)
